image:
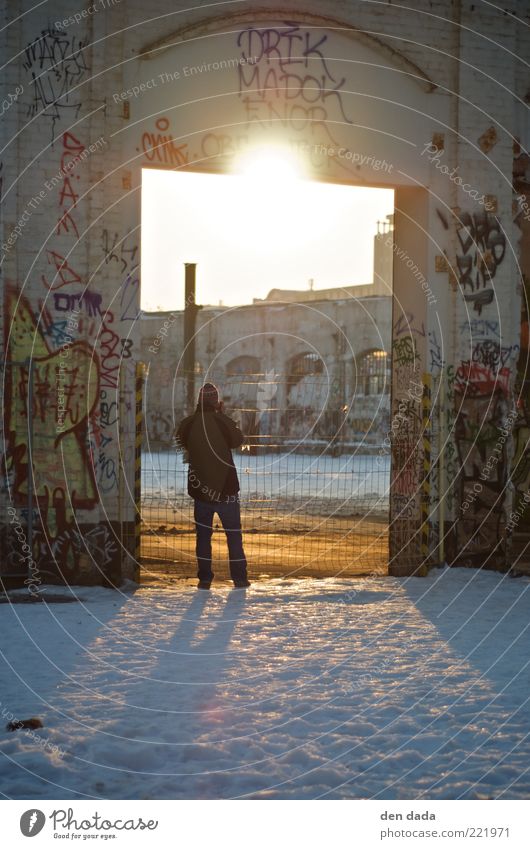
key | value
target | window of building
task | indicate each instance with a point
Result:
(303, 364)
(374, 373)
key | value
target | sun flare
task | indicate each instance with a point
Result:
(269, 164)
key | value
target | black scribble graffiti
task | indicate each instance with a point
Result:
(117, 250)
(124, 251)
(443, 219)
(483, 246)
(480, 299)
(289, 79)
(56, 65)
(89, 301)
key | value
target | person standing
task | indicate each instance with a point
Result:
(208, 436)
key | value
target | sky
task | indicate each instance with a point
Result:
(260, 229)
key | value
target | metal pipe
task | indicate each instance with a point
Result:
(30, 466)
(190, 312)
(441, 470)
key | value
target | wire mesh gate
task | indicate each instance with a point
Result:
(314, 476)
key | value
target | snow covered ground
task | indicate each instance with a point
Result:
(374, 688)
(350, 478)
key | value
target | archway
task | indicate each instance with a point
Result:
(316, 123)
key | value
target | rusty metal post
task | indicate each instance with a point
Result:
(190, 315)
(30, 465)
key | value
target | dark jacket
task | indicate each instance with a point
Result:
(208, 437)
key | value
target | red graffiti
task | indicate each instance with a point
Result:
(160, 147)
(67, 193)
(475, 379)
(65, 274)
(111, 353)
(65, 223)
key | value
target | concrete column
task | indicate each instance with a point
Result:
(409, 360)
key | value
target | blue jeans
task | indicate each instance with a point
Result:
(230, 516)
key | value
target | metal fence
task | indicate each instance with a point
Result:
(314, 479)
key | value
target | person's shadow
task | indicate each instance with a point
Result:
(207, 625)
(198, 652)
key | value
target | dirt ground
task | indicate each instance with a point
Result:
(348, 549)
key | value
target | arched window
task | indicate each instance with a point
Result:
(302, 365)
(243, 365)
(374, 372)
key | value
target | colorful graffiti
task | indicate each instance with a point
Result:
(65, 393)
(478, 389)
(488, 368)
(73, 348)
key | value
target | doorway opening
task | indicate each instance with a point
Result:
(294, 328)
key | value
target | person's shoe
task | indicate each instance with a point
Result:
(241, 584)
(204, 585)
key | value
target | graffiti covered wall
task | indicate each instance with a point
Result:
(70, 285)
(359, 98)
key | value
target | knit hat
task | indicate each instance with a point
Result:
(208, 395)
